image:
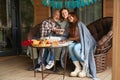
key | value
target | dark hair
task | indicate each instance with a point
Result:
(61, 17)
(74, 15)
(73, 24)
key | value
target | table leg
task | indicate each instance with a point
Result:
(54, 59)
(66, 51)
(40, 53)
(33, 63)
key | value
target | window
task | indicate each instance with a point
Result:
(90, 13)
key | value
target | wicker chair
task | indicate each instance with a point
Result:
(101, 30)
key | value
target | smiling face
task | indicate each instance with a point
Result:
(56, 15)
(70, 18)
(64, 13)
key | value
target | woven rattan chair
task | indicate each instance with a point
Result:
(101, 30)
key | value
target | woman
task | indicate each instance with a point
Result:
(75, 47)
(82, 49)
(63, 25)
(63, 18)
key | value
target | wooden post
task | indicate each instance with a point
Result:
(116, 41)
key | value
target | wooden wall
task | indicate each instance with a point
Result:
(112, 8)
(40, 12)
(107, 8)
(108, 11)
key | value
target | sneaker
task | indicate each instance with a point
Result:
(40, 68)
(50, 65)
(31, 68)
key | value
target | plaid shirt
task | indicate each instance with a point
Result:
(46, 27)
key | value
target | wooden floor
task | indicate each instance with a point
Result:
(15, 68)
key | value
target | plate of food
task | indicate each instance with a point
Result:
(65, 43)
(53, 38)
(41, 43)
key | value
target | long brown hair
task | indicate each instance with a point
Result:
(74, 15)
(73, 24)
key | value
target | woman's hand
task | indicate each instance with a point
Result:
(63, 41)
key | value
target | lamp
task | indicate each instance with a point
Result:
(58, 4)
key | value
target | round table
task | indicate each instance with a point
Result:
(41, 51)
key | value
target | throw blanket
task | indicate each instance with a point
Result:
(88, 48)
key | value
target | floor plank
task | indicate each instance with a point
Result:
(15, 68)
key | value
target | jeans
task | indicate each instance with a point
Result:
(75, 51)
(48, 54)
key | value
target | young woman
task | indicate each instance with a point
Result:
(63, 18)
(63, 25)
(82, 49)
(75, 47)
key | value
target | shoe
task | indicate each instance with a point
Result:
(82, 74)
(50, 65)
(77, 69)
(31, 68)
(75, 72)
(40, 68)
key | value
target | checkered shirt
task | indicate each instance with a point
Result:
(46, 27)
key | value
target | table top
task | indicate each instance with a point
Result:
(55, 46)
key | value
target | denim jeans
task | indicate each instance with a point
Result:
(48, 54)
(75, 51)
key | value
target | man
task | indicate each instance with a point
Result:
(44, 29)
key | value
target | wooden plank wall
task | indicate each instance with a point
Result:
(107, 8)
(108, 11)
(40, 12)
